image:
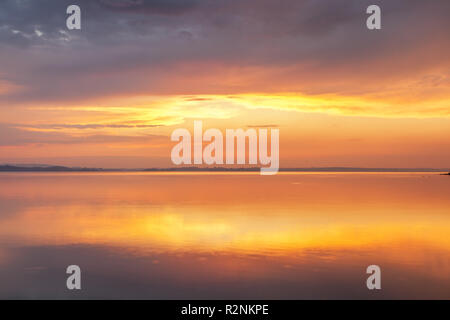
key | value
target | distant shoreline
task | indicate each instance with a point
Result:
(18, 168)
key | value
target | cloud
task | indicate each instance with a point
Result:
(165, 7)
(263, 126)
(13, 136)
(88, 126)
(169, 47)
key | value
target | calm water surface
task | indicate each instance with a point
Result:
(224, 236)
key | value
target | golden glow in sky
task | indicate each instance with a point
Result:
(341, 95)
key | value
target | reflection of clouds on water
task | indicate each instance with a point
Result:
(114, 273)
(219, 236)
(3, 256)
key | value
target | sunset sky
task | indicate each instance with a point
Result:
(111, 94)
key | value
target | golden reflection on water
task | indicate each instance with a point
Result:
(402, 219)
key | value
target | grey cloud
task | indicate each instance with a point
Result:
(140, 47)
(152, 6)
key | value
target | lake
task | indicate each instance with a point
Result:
(224, 235)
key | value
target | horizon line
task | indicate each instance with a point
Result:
(56, 168)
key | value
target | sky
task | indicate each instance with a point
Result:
(111, 94)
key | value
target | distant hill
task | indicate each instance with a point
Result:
(11, 168)
(53, 168)
(314, 169)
